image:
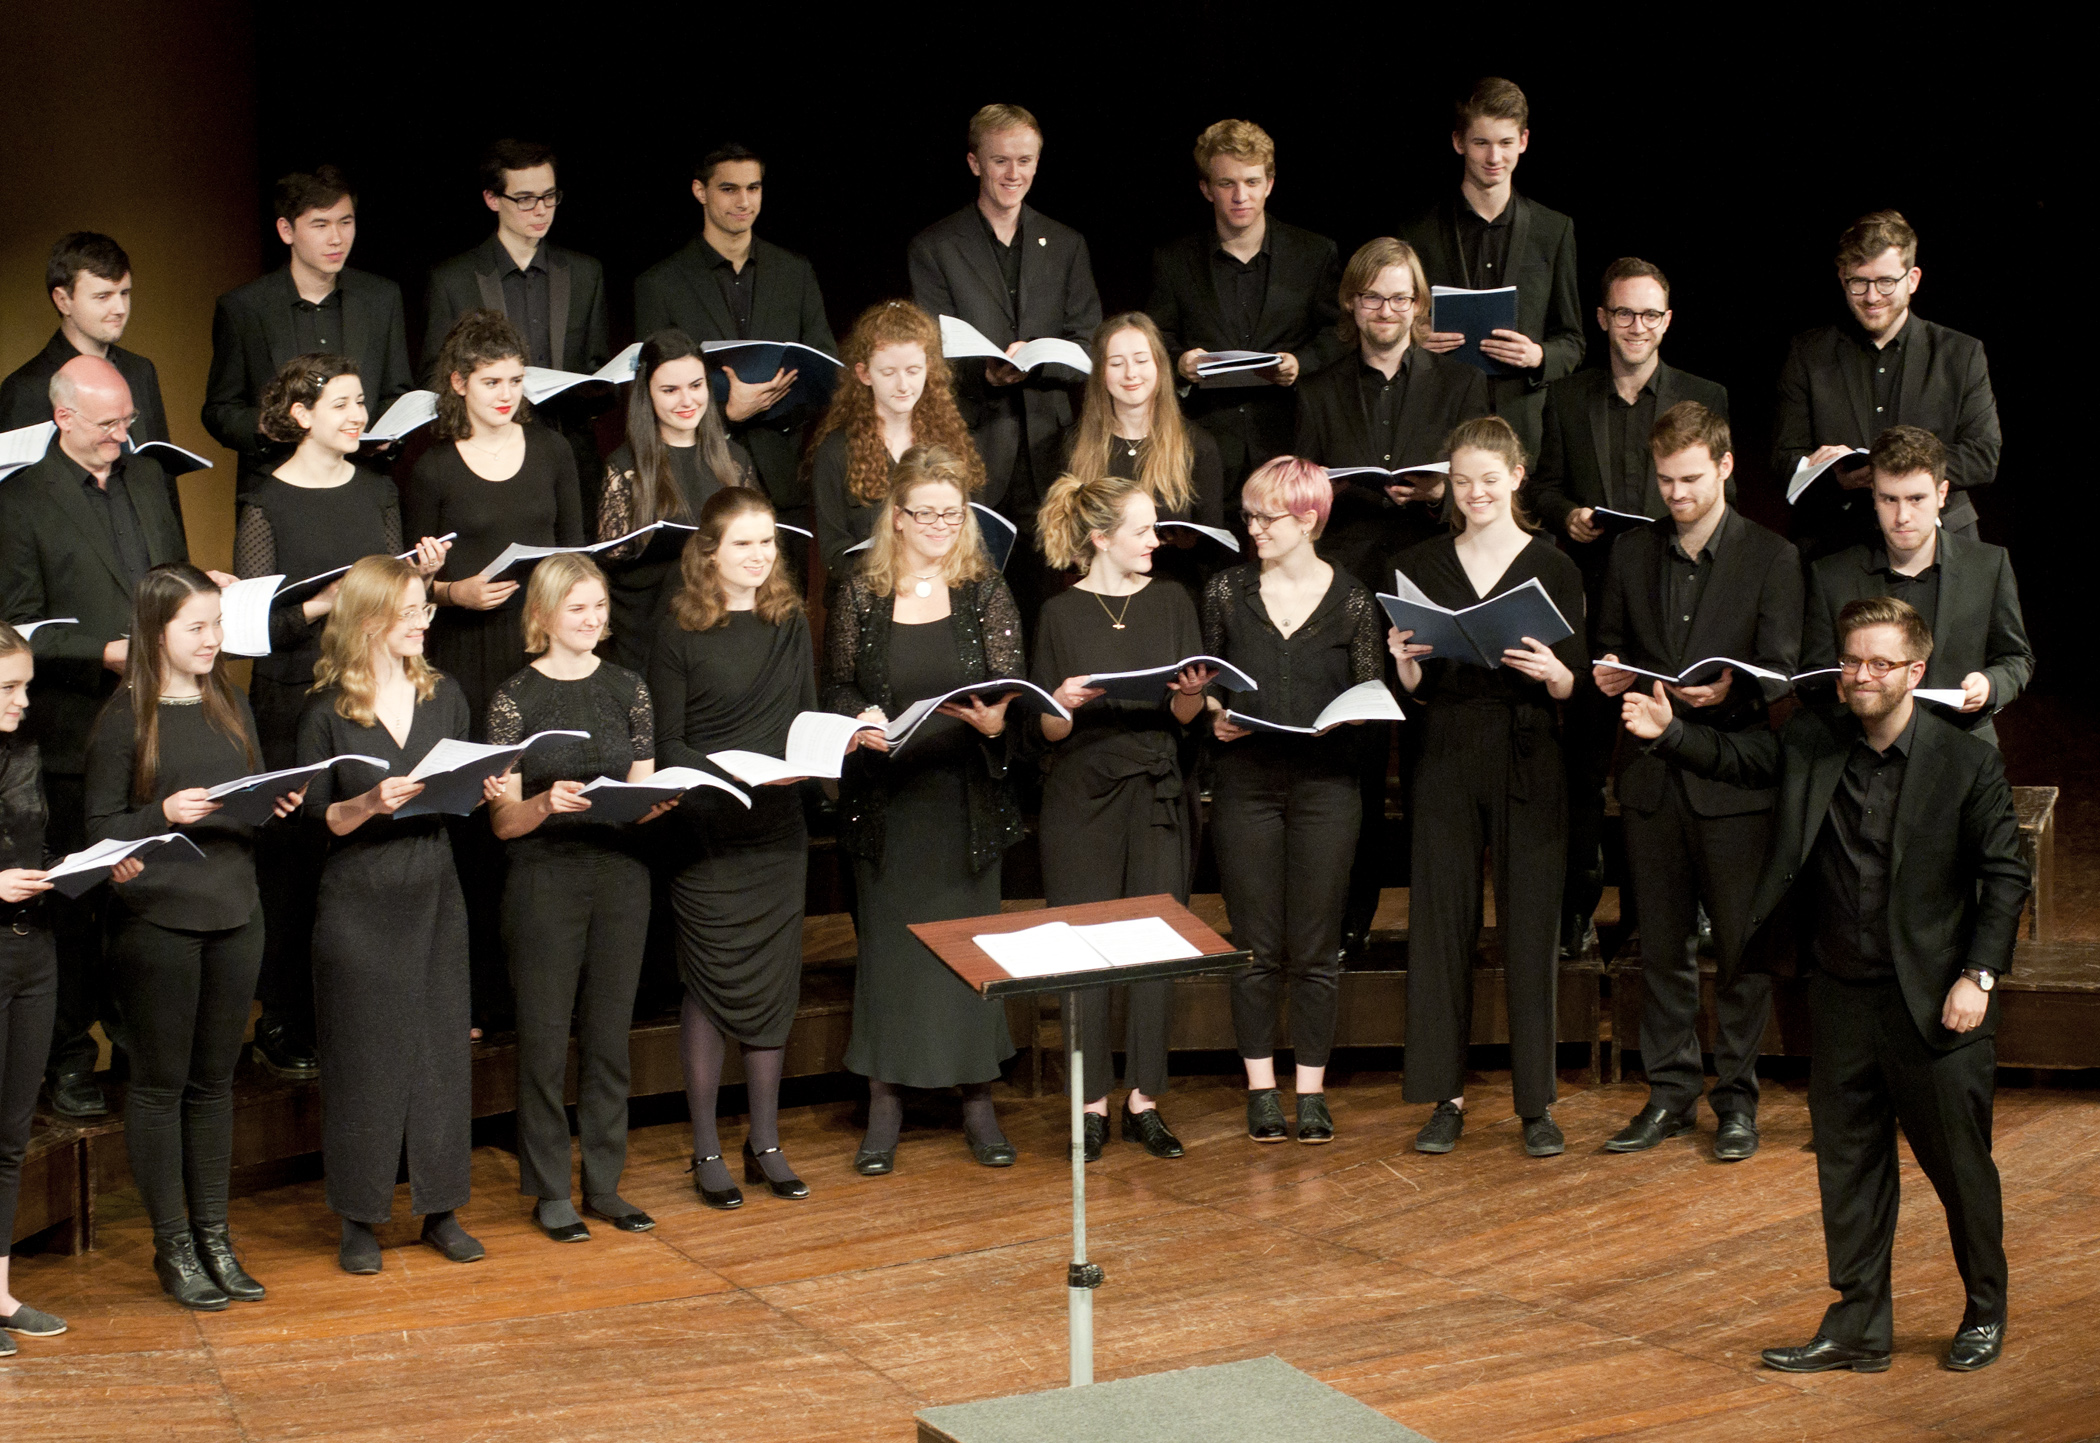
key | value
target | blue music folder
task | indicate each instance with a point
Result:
(1477, 314)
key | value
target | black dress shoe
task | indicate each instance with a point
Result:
(1650, 1126)
(720, 1198)
(1095, 1136)
(1265, 1116)
(1543, 1137)
(1820, 1355)
(1440, 1133)
(279, 1051)
(997, 1152)
(628, 1219)
(792, 1187)
(1315, 1123)
(1737, 1138)
(875, 1161)
(77, 1094)
(215, 1250)
(183, 1278)
(1976, 1346)
(1150, 1129)
(576, 1232)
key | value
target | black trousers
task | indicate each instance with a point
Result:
(575, 924)
(287, 870)
(1870, 1072)
(187, 994)
(1490, 781)
(1283, 828)
(84, 992)
(28, 998)
(1587, 743)
(1678, 859)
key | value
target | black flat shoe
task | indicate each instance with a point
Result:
(1265, 1116)
(575, 1232)
(1651, 1127)
(1440, 1134)
(1820, 1355)
(1737, 1138)
(1150, 1129)
(182, 1276)
(1315, 1123)
(996, 1153)
(360, 1254)
(633, 1220)
(723, 1198)
(78, 1095)
(215, 1250)
(454, 1243)
(793, 1187)
(1096, 1134)
(875, 1162)
(1975, 1346)
(1543, 1137)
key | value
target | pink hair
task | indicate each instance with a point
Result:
(1295, 485)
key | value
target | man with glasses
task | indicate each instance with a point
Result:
(1895, 876)
(1843, 385)
(1963, 588)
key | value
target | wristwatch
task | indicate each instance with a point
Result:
(1983, 977)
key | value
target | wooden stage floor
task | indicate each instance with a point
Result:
(1480, 1296)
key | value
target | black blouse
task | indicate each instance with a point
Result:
(23, 816)
(538, 505)
(611, 704)
(734, 687)
(1340, 645)
(1207, 475)
(1075, 635)
(1434, 566)
(323, 733)
(843, 519)
(301, 531)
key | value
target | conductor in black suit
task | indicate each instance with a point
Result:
(1964, 588)
(1895, 875)
(1488, 236)
(315, 303)
(1245, 282)
(728, 284)
(1884, 366)
(1706, 582)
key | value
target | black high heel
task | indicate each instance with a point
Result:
(725, 1198)
(794, 1187)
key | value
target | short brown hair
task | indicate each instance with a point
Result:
(1498, 438)
(477, 339)
(299, 382)
(1240, 139)
(992, 119)
(84, 250)
(1689, 424)
(1492, 98)
(1632, 268)
(1875, 232)
(301, 191)
(1372, 257)
(510, 153)
(1887, 611)
(1907, 450)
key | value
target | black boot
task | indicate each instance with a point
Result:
(215, 1251)
(182, 1274)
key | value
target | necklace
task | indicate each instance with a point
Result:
(1130, 446)
(924, 588)
(496, 450)
(1114, 619)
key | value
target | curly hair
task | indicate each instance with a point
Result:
(935, 421)
(477, 339)
(1075, 509)
(701, 603)
(299, 382)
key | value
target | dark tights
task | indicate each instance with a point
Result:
(886, 1115)
(703, 1049)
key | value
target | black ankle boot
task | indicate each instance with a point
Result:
(183, 1277)
(215, 1250)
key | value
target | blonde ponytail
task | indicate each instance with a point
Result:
(1074, 510)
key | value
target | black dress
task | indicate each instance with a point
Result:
(1118, 819)
(843, 519)
(390, 976)
(739, 887)
(644, 577)
(537, 505)
(28, 969)
(1183, 556)
(1489, 779)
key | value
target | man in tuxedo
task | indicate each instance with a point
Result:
(316, 302)
(1245, 282)
(1488, 236)
(77, 531)
(727, 284)
(1895, 874)
(1964, 588)
(1843, 385)
(1707, 582)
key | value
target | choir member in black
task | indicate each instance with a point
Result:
(900, 394)
(675, 457)
(316, 512)
(1285, 808)
(1490, 779)
(1844, 385)
(1245, 282)
(1131, 426)
(1488, 236)
(1706, 583)
(390, 925)
(925, 614)
(576, 898)
(1118, 818)
(733, 667)
(185, 942)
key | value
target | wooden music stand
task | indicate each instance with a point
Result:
(951, 942)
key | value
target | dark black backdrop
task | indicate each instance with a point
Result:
(1731, 161)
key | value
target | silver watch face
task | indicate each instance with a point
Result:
(1983, 979)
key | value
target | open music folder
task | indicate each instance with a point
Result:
(1477, 634)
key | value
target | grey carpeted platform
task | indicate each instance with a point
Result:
(1258, 1401)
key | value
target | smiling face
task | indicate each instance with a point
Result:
(678, 392)
(926, 543)
(1638, 339)
(1004, 164)
(15, 672)
(1482, 486)
(321, 239)
(750, 549)
(192, 639)
(1876, 313)
(97, 308)
(1908, 508)
(493, 392)
(897, 376)
(1131, 544)
(1129, 369)
(1869, 697)
(1238, 191)
(401, 634)
(732, 195)
(1385, 311)
(337, 418)
(1490, 148)
(1692, 483)
(580, 621)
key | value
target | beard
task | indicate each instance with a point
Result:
(1871, 706)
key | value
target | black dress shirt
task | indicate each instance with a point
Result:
(738, 286)
(318, 325)
(1384, 399)
(526, 302)
(1627, 439)
(1921, 591)
(1884, 371)
(1009, 258)
(1686, 579)
(1852, 860)
(112, 507)
(1243, 289)
(1484, 246)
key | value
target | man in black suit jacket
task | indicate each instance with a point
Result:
(1245, 282)
(1488, 236)
(1895, 868)
(1015, 275)
(315, 303)
(77, 531)
(1704, 583)
(727, 284)
(1964, 588)
(1843, 385)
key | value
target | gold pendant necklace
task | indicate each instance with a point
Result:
(1114, 619)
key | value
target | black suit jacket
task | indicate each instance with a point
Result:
(56, 560)
(1976, 627)
(1549, 305)
(1251, 423)
(954, 272)
(1956, 881)
(575, 301)
(1750, 611)
(1826, 398)
(252, 338)
(786, 305)
(25, 397)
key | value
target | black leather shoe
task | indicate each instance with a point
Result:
(1975, 1346)
(1095, 1134)
(1737, 1138)
(1543, 1137)
(1315, 1122)
(183, 1278)
(1820, 1355)
(576, 1232)
(627, 1217)
(77, 1094)
(215, 1250)
(279, 1051)
(1440, 1133)
(722, 1198)
(1651, 1126)
(996, 1153)
(1265, 1116)
(1150, 1129)
(875, 1161)
(793, 1187)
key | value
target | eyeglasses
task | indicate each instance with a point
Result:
(928, 516)
(1262, 520)
(425, 613)
(1625, 318)
(1877, 668)
(1372, 301)
(549, 199)
(1883, 285)
(111, 429)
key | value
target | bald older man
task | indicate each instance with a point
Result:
(77, 531)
